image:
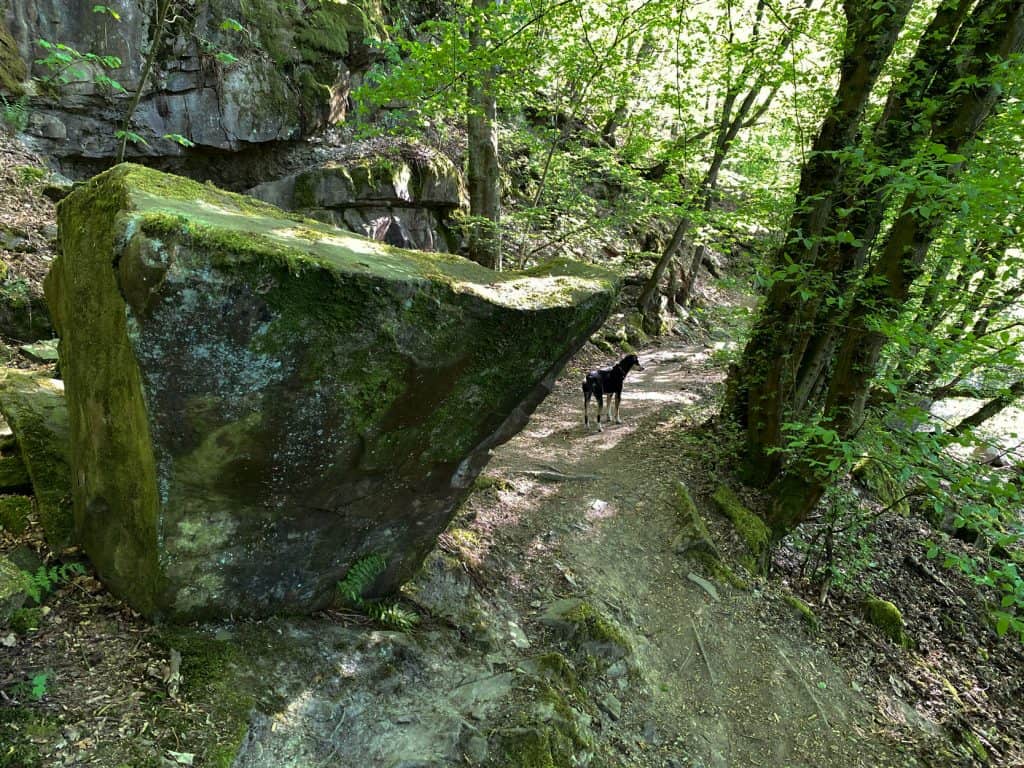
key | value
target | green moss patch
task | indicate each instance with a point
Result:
(596, 640)
(887, 617)
(694, 534)
(13, 71)
(13, 473)
(215, 675)
(25, 620)
(883, 485)
(14, 513)
(35, 408)
(804, 611)
(751, 528)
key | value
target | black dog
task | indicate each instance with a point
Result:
(607, 381)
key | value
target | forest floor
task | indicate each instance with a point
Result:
(715, 675)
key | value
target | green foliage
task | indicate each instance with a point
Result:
(30, 175)
(360, 577)
(177, 138)
(45, 580)
(14, 114)
(65, 64)
(25, 620)
(107, 10)
(131, 136)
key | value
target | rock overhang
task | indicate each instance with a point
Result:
(297, 396)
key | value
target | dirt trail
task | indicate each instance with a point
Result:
(727, 681)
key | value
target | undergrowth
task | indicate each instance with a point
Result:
(358, 580)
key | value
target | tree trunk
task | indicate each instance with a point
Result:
(163, 8)
(760, 388)
(996, 35)
(482, 152)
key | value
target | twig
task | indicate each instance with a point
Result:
(555, 477)
(704, 653)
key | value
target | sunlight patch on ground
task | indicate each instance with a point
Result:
(599, 510)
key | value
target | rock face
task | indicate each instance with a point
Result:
(257, 400)
(285, 74)
(402, 195)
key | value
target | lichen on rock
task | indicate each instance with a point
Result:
(257, 400)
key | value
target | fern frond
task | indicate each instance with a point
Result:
(392, 615)
(360, 577)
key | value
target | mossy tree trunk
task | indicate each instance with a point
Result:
(484, 169)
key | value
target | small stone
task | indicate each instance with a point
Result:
(611, 705)
(519, 638)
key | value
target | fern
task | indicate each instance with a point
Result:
(41, 583)
(15, 113)
(360, 577)
(392, 615)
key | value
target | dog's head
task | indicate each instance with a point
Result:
(630, 361)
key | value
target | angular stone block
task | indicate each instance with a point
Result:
(258, 400)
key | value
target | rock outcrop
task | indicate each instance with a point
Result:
(286, 73)
(403, 195)
(258, 400)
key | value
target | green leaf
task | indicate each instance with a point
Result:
(179, 139)
(231, 25)
(1002, 623)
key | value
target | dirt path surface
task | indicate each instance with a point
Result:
(724, 681)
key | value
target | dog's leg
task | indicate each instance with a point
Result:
(586, 409)
(618, 402)
(600, 408)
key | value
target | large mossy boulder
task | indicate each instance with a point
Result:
(257, 400)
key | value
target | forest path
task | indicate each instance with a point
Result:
(726, 680)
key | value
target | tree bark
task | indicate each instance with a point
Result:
(991, 408)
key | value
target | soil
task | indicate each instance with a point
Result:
(722, 675)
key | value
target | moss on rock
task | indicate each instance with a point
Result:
(804, 611)
(25, 620)
(887, 617)
(694, 533)
(14, 588)
(34, 406)
(596, 640)
(751, 528)
(13, 473)
(882, 484)
(258, 399)
(13, 71)
(14, 513)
